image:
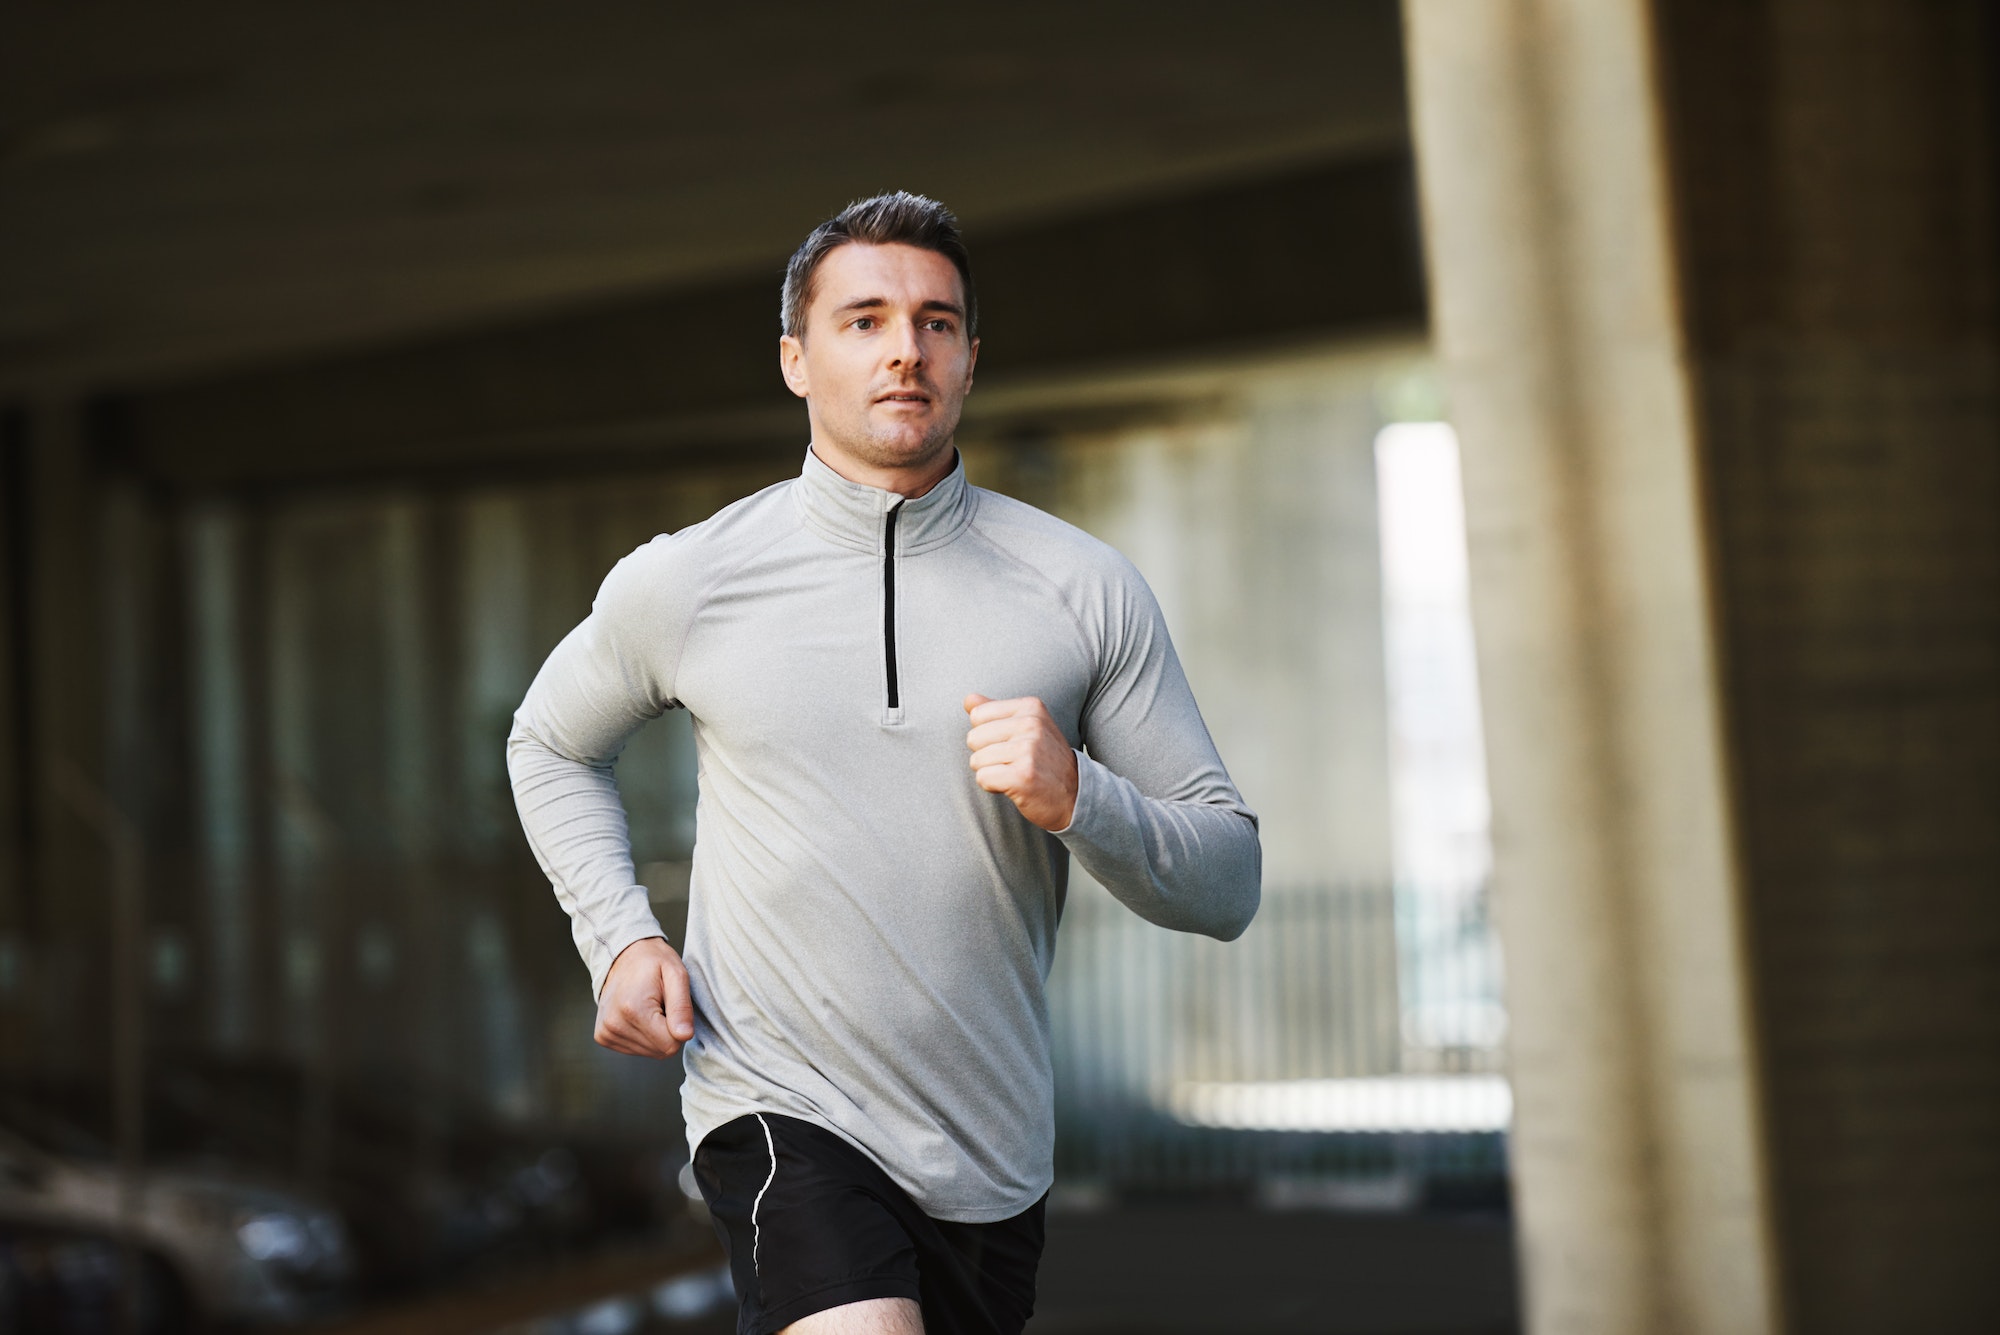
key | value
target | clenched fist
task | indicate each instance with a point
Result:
(1018, 750)
(645, 1008)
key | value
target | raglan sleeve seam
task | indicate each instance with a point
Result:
(1093, 648)
(708, 591)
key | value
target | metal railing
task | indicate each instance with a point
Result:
(1348, 1043)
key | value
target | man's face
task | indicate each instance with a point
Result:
(885, 362)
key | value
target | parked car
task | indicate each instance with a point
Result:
(246, 1250)
(428, 1188)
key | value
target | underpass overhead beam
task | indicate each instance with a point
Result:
(1326, 252)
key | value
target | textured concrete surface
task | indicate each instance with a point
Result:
(1636, 1145)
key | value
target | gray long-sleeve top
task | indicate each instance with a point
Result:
(870, 932)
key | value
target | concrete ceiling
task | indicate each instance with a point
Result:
(186, 189)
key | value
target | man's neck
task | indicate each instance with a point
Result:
(908, 483)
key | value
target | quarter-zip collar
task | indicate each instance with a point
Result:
(855, 515)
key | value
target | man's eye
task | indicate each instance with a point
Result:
(865, 322)
(939, 326)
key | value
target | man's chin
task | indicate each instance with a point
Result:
(904, 449)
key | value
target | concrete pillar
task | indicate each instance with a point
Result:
(1637, 1145)
(1835, 171)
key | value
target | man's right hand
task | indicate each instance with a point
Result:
(645, 1008)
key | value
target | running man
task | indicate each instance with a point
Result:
(914, 701)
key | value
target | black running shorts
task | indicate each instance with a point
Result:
(810, 1222)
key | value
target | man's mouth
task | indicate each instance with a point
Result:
(903, 396)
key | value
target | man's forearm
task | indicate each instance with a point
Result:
(575, 824)
(1190, 866)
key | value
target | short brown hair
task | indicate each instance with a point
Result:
(897, 218)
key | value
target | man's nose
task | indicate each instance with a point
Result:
(906, 351)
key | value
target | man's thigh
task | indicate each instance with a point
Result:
(875, 1316)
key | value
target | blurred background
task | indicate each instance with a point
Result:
(1564, 436)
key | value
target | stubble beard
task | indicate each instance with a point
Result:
(879, 447)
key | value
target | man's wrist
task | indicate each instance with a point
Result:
(617, 948)
(661, 937)
(1076, 792)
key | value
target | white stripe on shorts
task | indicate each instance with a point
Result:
(772, 1177)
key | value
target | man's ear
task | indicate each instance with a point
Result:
(971, 360)
(792, 364)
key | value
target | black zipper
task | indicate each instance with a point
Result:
(889, 603)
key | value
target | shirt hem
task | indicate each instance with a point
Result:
(699, 1127)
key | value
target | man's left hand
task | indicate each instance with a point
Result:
(1018, 751)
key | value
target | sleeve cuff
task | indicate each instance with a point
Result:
(1086, 782)
(614, 945)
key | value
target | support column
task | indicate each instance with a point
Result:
(1837, 189)
(1637, 1145)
